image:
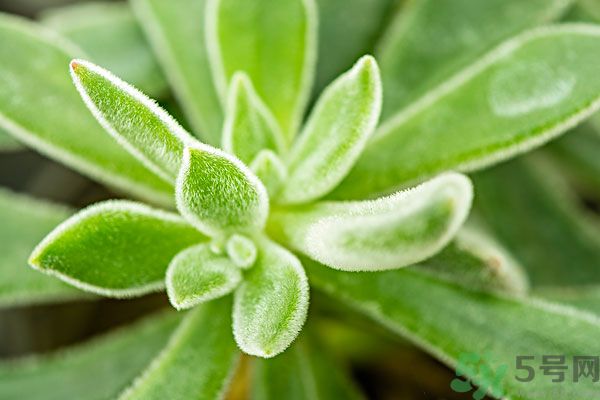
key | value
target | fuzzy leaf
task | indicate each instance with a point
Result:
(40, 106)
(197, 275)
(517, 97)
(97, 370)
(390, 232)
(25, 221)
(275, 43)
(176, 32)
(249, 127)
(583, 298)
(548, 232)
(115, 248)
(429, 40)
(304, 371)
(449, 322)
(217, 193)
(143, 128)
(476, 261)
(197, 362)
(242, 251)
(336, 133)
(271, 171)
(271, 304)
(110, 35)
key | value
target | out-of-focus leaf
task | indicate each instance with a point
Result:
(271, 171)
(115, 248)
(430, 40)
(347, 30)
(197, 275)
(97, 370)
(176, 29)
(583, 298)
(111, 37)
(524, 93)
(529, 210)
(271, 304)
(275, 43)
(387, 233)
(217, 193)
(24, 223)
(304, 371)
(7, 142)
(249, 127)
(196, 363)
(147, 131)
(454, 323)
(40, 106)
(337, 130)
(241, 250)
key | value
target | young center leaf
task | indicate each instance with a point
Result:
(336, 132)
(271, 304)
(271, 171)
(274, 42)
(390, 232)
(198, 361)
(147, 131)
(217, 193)
(41, 107)
(197, 275)
(249, 127)
(517, 97)
(241, 250)
(116, 248)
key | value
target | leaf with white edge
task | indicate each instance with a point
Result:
(176, 32)
(344, 118)
(25, 222)
(197, 275)
(524, 93)
(430, 40)
(585, 298)
(275, 43)
(115, 248)
(217, 193)
(40, 106)
(304, 371)
(390, 232)
(143, 128)
(475, 261)
(7, 142)
(271, 304)
(198, 361)
(97, 370)
(448, 320)
(271, 171)
(241, 250)
(249, 126)
(110, 36)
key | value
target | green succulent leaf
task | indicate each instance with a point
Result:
(40, 106)
(249, 127)
(476, 261)
(25, 222)
(197, 275)
(271, 171)
(304, 371)
(517, 97)
(97, 370)
(143, 128)
(110, 35)
(241, 250)
(582, 298)
(7, 142)
(454, 323)
(115, 248)
(196, 363)
(274, 43)
(176, 32)
(539, 222)
(344, 118)
(217, 193)
(429, 40)
(271, 304)
(390, 232)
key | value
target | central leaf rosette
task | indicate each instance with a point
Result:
(244, 210)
